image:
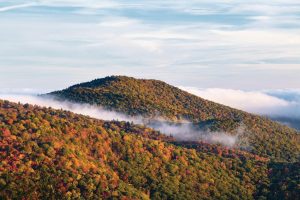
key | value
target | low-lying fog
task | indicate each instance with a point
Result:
(280, 105)
(183, 132)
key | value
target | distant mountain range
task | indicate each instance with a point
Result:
(292, 122)
(56, 154)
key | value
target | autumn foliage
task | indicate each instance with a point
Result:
(54, 154)
(152, 99)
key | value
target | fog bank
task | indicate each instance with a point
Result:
(280, 105)
(181, 132)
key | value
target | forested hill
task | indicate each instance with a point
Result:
(55, 154)
(152, 98)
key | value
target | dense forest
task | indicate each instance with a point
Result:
(152, 99)
(55, 154)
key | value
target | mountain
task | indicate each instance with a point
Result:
(56, 154)
(155, 99)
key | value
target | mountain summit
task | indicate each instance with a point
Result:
(148, 98)
(153, 98)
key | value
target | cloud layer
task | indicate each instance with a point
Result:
(282, 105)
(53, 43)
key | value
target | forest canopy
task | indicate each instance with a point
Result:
(153, 98)
(55, 154)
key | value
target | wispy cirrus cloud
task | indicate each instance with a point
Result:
(14, 7)
(207, 43)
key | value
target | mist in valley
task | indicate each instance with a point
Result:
(185, 131)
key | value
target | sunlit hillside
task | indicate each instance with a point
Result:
(152, 99)
(54, 154)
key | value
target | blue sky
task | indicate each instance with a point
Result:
(238, 44)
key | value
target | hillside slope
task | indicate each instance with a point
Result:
(152, 98)
(55, 154)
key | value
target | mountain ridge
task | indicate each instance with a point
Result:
(111, 80)
(152, 98)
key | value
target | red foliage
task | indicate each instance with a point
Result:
(5, 132)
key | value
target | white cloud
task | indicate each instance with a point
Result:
(186, 132)
(14, 7)
(278, 103)
(153, 34)
(84, 109)
(270, 37)
(92, 4)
